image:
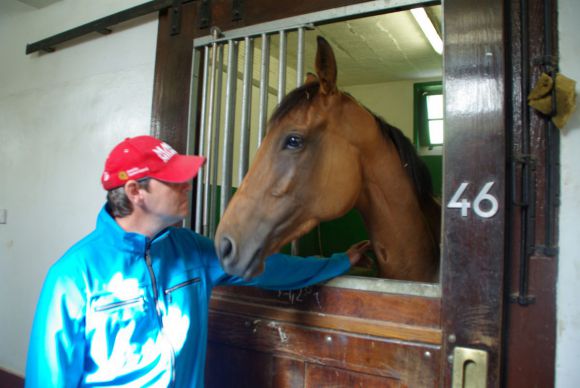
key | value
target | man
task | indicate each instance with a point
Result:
(128, 304)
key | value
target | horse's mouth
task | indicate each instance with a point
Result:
(245, 268)
(255, 268)
(255, 265)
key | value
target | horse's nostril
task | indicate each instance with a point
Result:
(227, 248)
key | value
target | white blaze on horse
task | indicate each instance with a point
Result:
(324, 154)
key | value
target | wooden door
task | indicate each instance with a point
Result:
(374, 335)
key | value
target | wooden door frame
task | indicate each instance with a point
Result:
(531, 262)
(477, 59)
(474, 89)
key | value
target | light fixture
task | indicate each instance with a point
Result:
(428, 29)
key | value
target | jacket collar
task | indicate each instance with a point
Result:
(128, 241)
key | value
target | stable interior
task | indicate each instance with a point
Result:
(388, 64)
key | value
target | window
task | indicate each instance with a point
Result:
(428, 116)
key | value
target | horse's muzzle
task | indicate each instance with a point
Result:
(232, 263)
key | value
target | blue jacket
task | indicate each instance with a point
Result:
(121, 310)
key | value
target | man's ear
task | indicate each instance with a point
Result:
(133, 192)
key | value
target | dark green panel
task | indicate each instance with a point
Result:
(435, 165)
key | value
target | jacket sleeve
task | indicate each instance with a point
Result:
(285, 272)
(56, 348)
(282, 272)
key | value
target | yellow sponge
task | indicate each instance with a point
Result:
(540, 98)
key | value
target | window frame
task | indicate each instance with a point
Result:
(420, 118)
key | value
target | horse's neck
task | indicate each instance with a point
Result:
(401, 236)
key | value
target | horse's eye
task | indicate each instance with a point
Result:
(293, 142)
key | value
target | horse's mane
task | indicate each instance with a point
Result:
(413, 164)
(417, 170)
(300, 97)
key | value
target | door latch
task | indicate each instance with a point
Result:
(469, 368)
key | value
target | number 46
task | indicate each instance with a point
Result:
(484, 196)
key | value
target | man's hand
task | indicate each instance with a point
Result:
(356, 251)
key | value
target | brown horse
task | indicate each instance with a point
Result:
(324, 154)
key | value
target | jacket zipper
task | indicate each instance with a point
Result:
(169, 291)
(119, 304)
(178, 286)
(158, 312)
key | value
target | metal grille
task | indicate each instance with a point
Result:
(227, 139)
(229, 79)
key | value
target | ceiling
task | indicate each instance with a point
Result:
(383, 48)
(370, 50)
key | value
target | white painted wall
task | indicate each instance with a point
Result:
(398, 112)
(60, 114)
(568, 305)
(399, 94)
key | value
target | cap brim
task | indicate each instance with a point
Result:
(181, 168)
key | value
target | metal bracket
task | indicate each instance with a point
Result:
(548, 63)
(176, 17)
(205, 14)
(236, 10)
(104, 31)
(522, 300)
(528, 209)
(525, 161)
(549, 251)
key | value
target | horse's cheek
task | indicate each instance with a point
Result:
(347, 171)
(340, 183)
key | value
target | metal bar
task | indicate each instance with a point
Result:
(246, 108)
(552, 142)
(321, 17)
(192, 139)
(199, 202)
(528, 181)
(525, 224)
(552, 187)
(264, 82)
(216, 142)
(300, 58)
(209, 140)
(100, 25)
(282, 66)
(295, 244)
(230, 116)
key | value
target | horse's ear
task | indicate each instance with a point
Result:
(326, 66)
(310, 77)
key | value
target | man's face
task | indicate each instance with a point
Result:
(167, 202)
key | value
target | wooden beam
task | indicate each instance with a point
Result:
(101, 26)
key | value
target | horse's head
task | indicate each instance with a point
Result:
(306, 170)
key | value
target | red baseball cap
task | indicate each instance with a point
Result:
(147, 157)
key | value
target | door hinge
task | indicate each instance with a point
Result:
(176, 17)
(237, 10)
(205, 14)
